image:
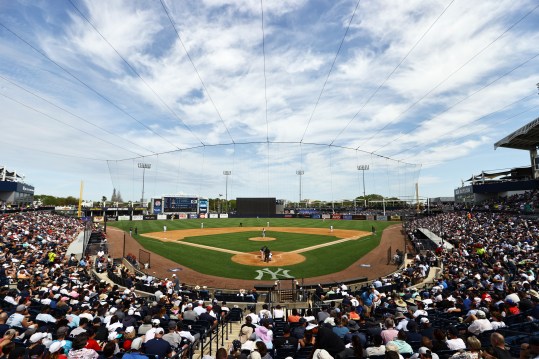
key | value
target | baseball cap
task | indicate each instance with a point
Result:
(136, 343)
(21, 308)
(480, 314)
(62, 331)
(156, 321)
(424, 320)
(159, 331)
(55, 346)
(37, 337)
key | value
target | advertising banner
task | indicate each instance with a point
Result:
(202, 215)
(124, 218)
(157, 206)
(347, 217)
(202, 206)
(214, 215)
(335, 216)
(138, 217)
(182, 216)
(326, 216)
(112, 218)
(98, 219)
(381, 218)
(193, 216)
(224, 215)
(370, 217)
(161, 216)
(149, 217)
(395, 218)
(316, 216)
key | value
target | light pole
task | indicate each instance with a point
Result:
(363, 168)
(226, 173)
(144, 166)
(300, 173)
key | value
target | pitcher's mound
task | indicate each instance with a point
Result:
(262, 239)
(278, 259)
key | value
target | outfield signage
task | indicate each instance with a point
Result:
(124, 218)
(381, 218)
(157, 206)
(137, 218)
(224, 215)
(161, 216)
(214, 215)
(149, 217)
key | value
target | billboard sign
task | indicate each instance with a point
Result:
(203, 205)
(157, 206)
(180, 204)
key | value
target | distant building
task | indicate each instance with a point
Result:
(13, 190)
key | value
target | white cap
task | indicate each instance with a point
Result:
(55, 346)
(36, 337)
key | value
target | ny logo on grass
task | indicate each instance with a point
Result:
(279, 272)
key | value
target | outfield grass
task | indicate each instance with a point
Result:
(318, 262)
(238, 241)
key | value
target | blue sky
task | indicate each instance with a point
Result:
(418, 90)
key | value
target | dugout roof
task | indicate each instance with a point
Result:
(525, 138)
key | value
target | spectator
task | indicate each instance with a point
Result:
(79, 351)
(158, 346)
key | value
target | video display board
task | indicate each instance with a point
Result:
(180, 204)
(249, 207)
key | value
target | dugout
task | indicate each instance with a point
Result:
(256, 207)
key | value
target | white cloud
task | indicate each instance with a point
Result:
(224, 40)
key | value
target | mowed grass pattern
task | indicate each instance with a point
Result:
(318, 262)
(240, 242)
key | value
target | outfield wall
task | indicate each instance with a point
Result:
(182, 216)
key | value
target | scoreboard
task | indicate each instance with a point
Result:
(180, 204)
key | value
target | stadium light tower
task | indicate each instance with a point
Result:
(144, 166)
(363, 168)
(300, 173)
(226, 173)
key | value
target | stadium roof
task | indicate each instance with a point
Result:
(525, 138)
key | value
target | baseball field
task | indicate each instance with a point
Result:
(231, 248)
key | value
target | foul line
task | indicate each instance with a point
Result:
(301, 250)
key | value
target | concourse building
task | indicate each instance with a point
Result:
(13, 191)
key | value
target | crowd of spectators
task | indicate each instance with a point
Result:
(53, 306)
(484, 302)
